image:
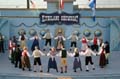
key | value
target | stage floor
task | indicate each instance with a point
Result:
(8, 70)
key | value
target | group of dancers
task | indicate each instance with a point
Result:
(19, 53)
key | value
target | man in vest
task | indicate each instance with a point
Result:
(37, 54)
(48, 37)
(95, 44)
(63, 54)
(84, 41)
(73, 39)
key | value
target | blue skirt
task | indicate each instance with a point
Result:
(77, 63)
(52, 63)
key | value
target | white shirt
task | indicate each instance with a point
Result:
(73, 37)
(37, 53)
(88, 52)
(57, 37)
(48, 34)
(32, 38)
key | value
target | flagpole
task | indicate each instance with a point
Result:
(59, 9)
(28, 4)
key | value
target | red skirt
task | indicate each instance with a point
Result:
(102, 61)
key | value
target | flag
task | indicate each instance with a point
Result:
(61, 4)
(33, 4)
(92, 5)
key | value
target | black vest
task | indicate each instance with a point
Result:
(64, 54)
(76, 55)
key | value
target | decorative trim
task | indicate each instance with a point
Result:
(82, 24)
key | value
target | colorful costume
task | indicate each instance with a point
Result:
(63, 62)
(84, 43)
(35, 42)
(36, 54)
(52, 62)
(25, 59)
(1, 43)
(102, 61)
(60, 41)
(48, 36)
(95, 44)
(73, 39)
(10, 48)
(22, 39)
(88, 59)
(13, 53)
(107, 52)
(18, 54)
(77, 61)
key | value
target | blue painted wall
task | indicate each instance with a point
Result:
(10, 26)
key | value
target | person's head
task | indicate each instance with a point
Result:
(106, 43)
(75, 50)
(87, 46)
(47, 30)
(18, 45)
(62, 47)
(36, 47)
(25, 48)
(36, 36)
(52, 49)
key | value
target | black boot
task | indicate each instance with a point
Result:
(74, 70)
(65, 69)
(23, 69)
(61, 69)
(29, 69)
(56, 70)
(107, 62)
(48, 70)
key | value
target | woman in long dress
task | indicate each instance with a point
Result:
(52, 62)
(102, 60)
(77, 61)
(60, 40)
(35, 42)
(25, 59)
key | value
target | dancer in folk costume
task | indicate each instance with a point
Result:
(22, 39)
(18, 54)
(10, 47)
(48, 37)
(52, 62)
(77, 61)
(1, 43)
(84, 41)
(35, 39)
(63, 54)
(95, 46)
(107, 51)
(73, 39)
(37, 54)
(102, 60)
(25, 59)
(13, 53)
(14, 39)
(60, 40)
(88, 57)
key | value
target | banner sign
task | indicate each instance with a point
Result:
(57, 18)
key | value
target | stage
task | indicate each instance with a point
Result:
(111, 71)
